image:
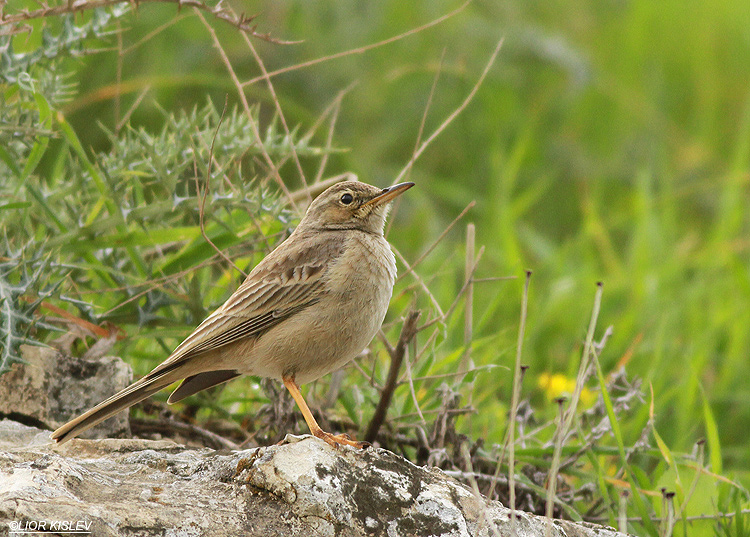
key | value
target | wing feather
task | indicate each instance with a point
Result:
(277, 288)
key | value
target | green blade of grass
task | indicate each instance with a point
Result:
(712, 435)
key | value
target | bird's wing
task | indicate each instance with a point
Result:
(288, 280)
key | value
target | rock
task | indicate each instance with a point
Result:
(304, 487)
(50, 389)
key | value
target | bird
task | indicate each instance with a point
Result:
(308, 308)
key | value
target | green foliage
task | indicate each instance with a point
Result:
(69, 35)
(737, 509)
(46, 69)
(23, 286)
(38, 78)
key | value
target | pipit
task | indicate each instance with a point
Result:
(305, 310)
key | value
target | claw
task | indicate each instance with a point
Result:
(336, 440)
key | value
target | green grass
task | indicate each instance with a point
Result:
(610, 142)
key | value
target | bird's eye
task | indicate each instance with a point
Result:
(347, 198)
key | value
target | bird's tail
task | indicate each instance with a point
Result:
(138, 391)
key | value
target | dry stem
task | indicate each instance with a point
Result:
(408, 331)
(241, 22)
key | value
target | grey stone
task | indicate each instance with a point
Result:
(303, 487)
(52, 388)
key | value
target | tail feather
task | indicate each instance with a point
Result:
(199, 382)
(129, 396)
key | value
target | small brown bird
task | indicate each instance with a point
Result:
(305, 310)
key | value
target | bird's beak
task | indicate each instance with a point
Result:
(388, 194)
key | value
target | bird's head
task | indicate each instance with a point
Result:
(352, 205)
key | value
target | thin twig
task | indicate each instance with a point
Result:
(554, 466)
(410, 378)
(445, 411)
(420, 281)
(694, 483)
(279, 111)
(428, 344)
(622, 514)
(516, 396)
(132, 108)
(316, 188)
(241, 22)
(420, 132)
(336, 108)
(501, 456)
(437, 241)
(429, 103)
(475, 369)
(171, 426)
(413, 392)
(475, 489)
(456, 300)
(246, 105)
(202, 211)
(567, 419)
(359, 50)
(307, 136)
(365, 374)
(692, 518)
(469, 267)
(453, 115)
(153, 33)
(408, 331)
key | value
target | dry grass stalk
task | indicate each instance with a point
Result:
(517, 375)
(566, 419)
(242, 22)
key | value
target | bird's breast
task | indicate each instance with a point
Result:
(360, 284)
(358, 291)
(340, 324)
(365, 270)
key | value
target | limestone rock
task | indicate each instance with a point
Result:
(304, 487)
(51, 388)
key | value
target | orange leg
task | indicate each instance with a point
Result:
(331, 439)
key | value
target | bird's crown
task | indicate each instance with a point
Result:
(352, 205)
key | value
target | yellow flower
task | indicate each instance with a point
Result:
(558, 385)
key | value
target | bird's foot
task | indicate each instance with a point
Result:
(335, 440)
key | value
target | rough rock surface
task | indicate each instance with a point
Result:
(304, 487)
(51, 388)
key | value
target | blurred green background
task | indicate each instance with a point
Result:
(609, 142)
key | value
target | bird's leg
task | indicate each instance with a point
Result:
(331, 439)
